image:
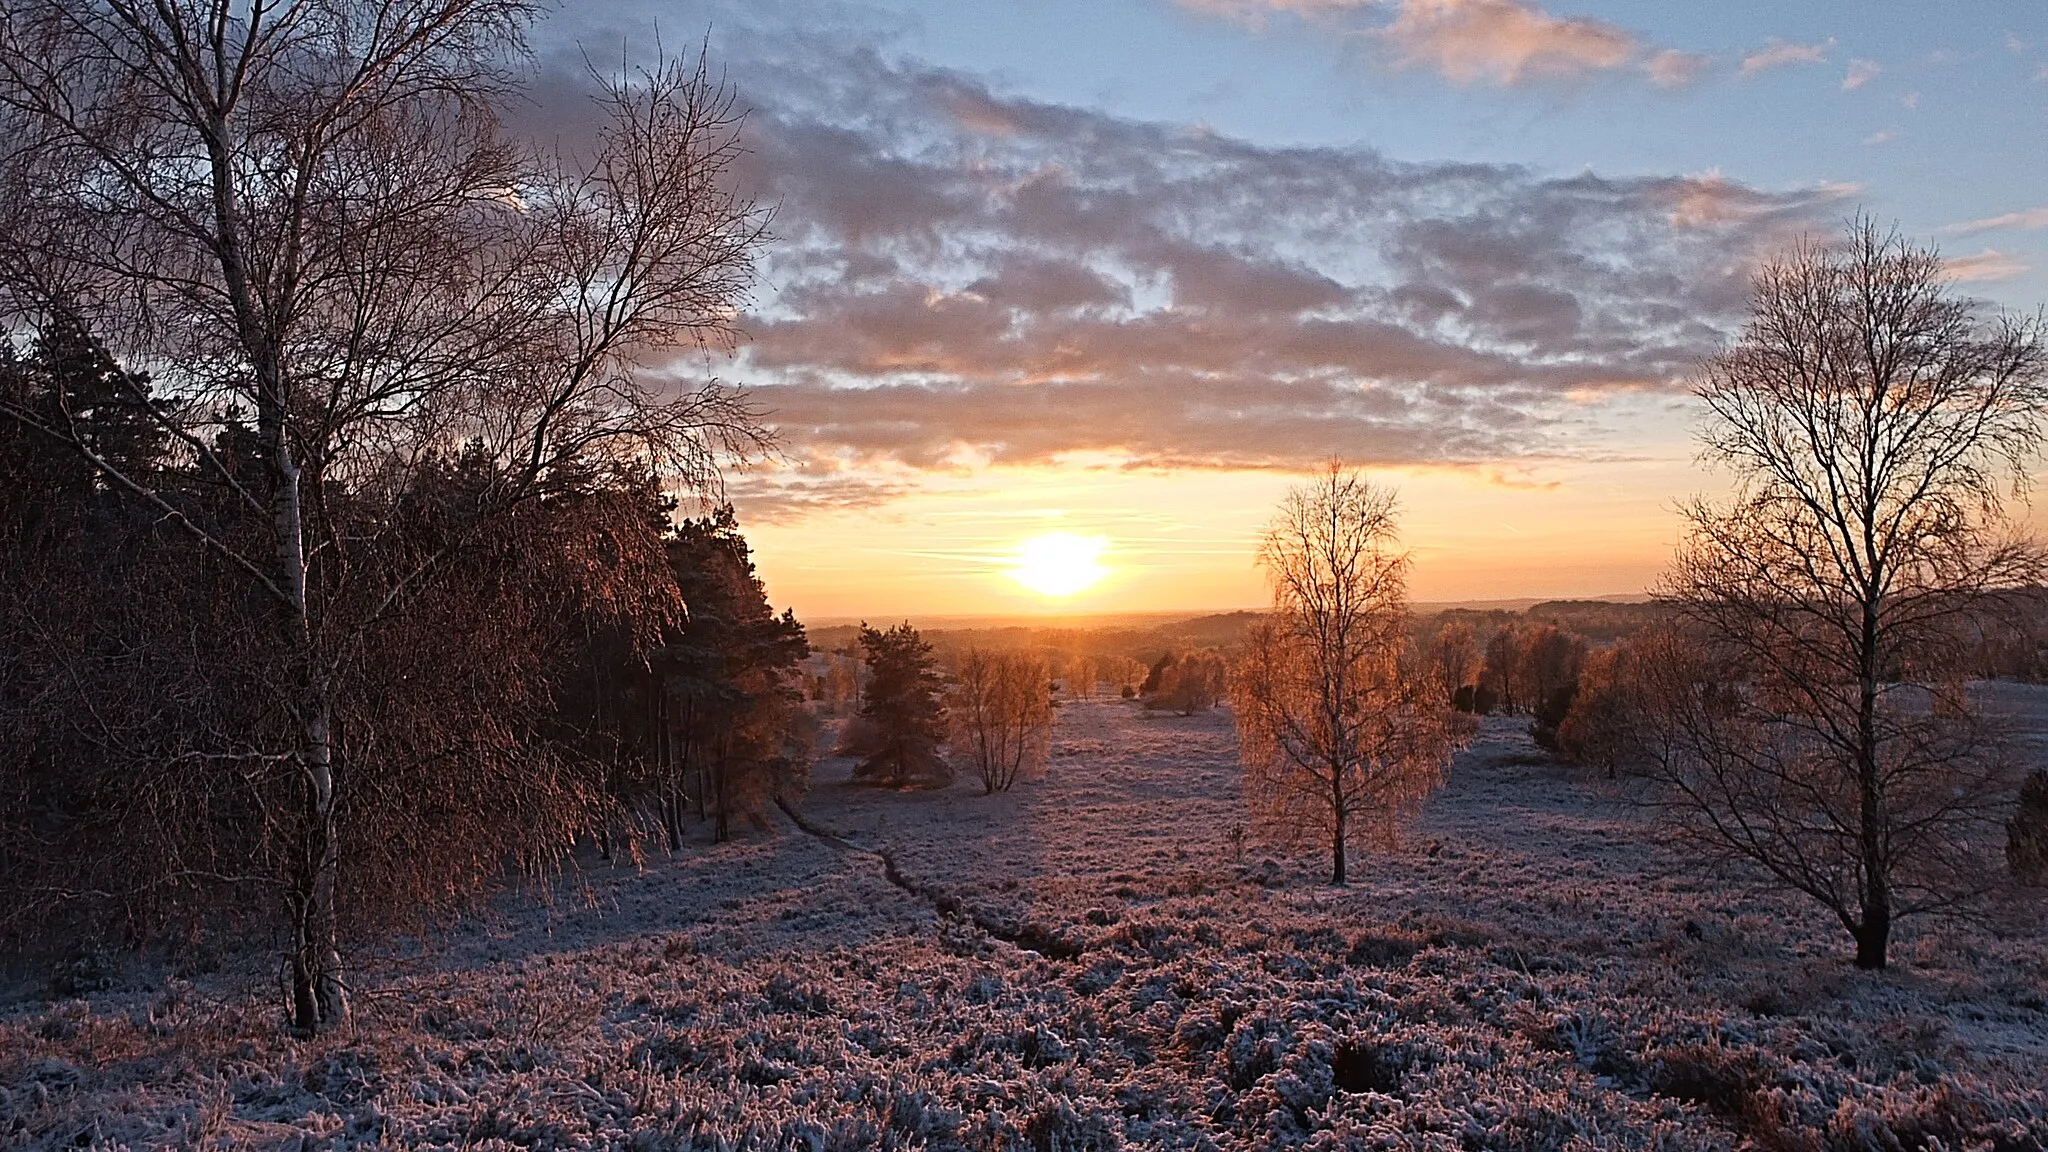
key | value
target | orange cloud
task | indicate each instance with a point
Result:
(1990, 264)
(2028, 218)
(968, 281)
(1503, 42)
(1711, 199)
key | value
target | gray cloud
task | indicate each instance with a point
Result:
(961, 270)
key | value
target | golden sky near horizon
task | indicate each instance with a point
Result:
(1136, 540)
(1179, 541)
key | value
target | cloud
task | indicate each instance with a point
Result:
(810, 483)
(1910, 99)
(1253, 13)
(964, 278)
(1672, 68)
(1506, 43)
(1710, 200)
(1503, 42)
(2026, 218)
(1779, 54)
(1881, 136)
(1990, 264)
(1860, 72)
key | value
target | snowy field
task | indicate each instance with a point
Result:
(1091, 962)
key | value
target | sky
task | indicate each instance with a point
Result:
(1069, 292)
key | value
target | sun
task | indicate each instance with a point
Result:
(1059, 564)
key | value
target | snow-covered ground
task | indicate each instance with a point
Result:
(1091, 962)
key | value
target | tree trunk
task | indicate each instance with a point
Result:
(319, 996)
(1337, 823)
(723, 830)
(1875, 932)
(1872, 937)
(667, 768)
(672, 814)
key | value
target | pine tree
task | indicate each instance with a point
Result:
(731, 675)
(903, 705)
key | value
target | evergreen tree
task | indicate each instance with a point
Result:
(903, 706)
(73, 398)
(730, 677)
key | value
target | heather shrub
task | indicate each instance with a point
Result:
(1711, 1076)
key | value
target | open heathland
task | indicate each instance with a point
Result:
(1101, 958)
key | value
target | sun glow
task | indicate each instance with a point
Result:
(1059, 564)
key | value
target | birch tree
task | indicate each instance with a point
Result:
(1454, 656)
(303, 218)
(1339, 731)
(1876, 424)
(1001, 715)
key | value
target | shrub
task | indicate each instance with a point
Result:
(1550, 712)
(1477, 699)
(2026, 834)
(1189, 685)
(1597, 721)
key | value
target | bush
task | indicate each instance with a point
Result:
(1550, 713)
(1477, 699)
(1597, 722)
(2026, 835)
(1191, 684)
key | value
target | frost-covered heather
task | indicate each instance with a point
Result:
(1528, 970)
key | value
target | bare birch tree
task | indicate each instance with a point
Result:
(1876, 424)
(1336, 727)
(1001, 714)
(302, 215)
(1455, 658)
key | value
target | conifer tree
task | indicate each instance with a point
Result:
(903, 704)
